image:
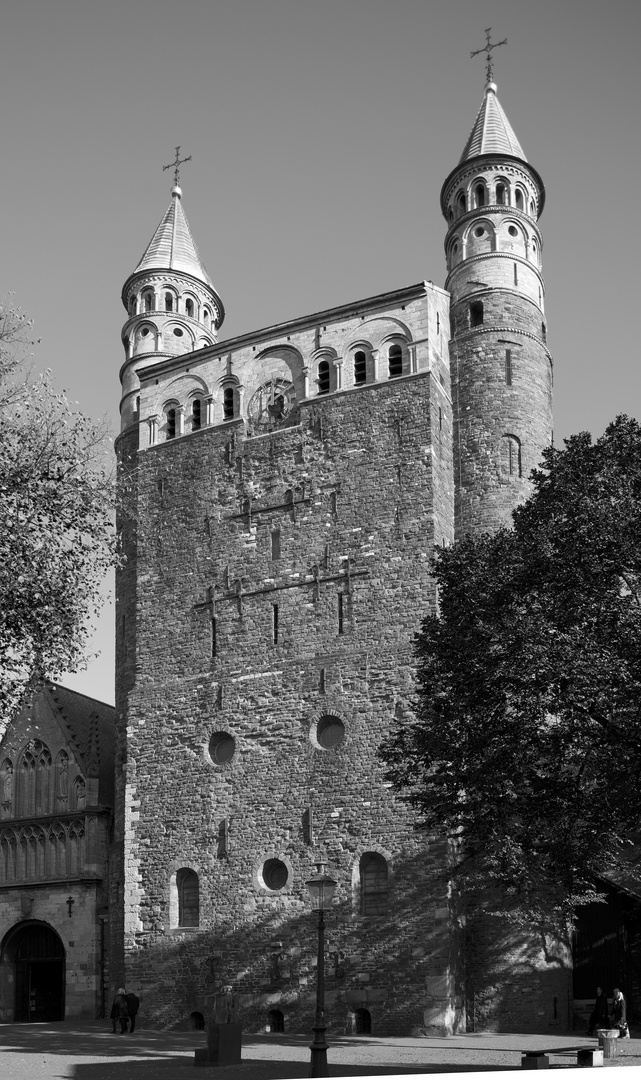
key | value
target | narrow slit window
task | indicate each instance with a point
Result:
(360, 368)
(228, 404)
(275, 544)
(479, 195)
(516, 273)
(544, 332)
(149, 302)
(438, 323)
(275, 623)
(169, 302)
(519, 199)
(189, 308)
(196, 414)
(214, 635)
(500, 194)
(508, 367)
(171, 423)
(340, 613)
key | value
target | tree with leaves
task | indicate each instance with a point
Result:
(525, 744)
(56, 521)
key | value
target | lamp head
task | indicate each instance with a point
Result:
(321, 889)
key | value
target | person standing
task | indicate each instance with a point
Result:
(133, 1004)
(619, 1013)
(119, 1011)
(600, 1015)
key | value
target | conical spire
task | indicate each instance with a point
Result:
(492, 132)
(172, 246)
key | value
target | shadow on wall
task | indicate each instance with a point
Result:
(401, 972)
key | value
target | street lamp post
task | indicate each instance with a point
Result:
(321, 890)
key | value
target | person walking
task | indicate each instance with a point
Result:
(119, 1011)
(619, 1013)
(600, 1015)
(133, 1004)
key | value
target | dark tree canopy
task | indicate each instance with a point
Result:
(56, 521)
(526, 740)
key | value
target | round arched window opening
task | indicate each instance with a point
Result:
(177, 331)
(513, 231)
(145, 331)
(480, 231)
(275, 875)
(330, 732)
(222, 747)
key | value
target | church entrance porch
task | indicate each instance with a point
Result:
(36, 954)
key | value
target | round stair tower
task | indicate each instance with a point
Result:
(500, 363)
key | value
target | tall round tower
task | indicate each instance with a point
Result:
(171, 303)
(500, 362)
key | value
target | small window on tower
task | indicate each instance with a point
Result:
(500, 194)
(189, 308)
(206, 316)
(395, 357)
(544, 332)
(508, 367)
(476, 313)
(196, 414)
(519, 199)
(171, 423)
(360, 368)
(461, 202)
(149, 302)
(479, 195)
(228, 403)
(169, 302)
(132, 305)
(323, 377)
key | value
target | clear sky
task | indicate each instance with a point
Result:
(320, 133)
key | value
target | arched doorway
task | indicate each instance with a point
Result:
(37, 955)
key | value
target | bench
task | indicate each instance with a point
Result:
(586, 1056)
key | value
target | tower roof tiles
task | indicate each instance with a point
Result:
(172, 247)
(492, 132)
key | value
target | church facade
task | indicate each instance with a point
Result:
(56, 817)
(290, 486)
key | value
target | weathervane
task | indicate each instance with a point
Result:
(487, 48)
(174, 165)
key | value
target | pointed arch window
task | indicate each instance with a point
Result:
(323, 377)
(373, 884)
(188, 897)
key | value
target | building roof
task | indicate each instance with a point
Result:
(492, 132)
(92, 726)
(172, 247)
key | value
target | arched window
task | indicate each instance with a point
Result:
(518, 199)
(373, 882)
(323, 377)
(196, 414)
(395, 361)
(362, 1022)
(171, 423)
(479, 194)
(532, 208)
(169, 301)
(188, 902)
(461, 202)
(544, 332)
(206, 316)
(148, 299)
(228, 403)
(189, 308)
(360, 367)
(511, 455)
(34, 778)
(476, 313)
(500, 194)
(132, 305)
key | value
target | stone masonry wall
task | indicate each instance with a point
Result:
(358, 487)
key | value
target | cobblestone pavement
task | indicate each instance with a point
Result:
(89, 1051)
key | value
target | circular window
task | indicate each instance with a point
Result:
(513, 231)
(480, 231)
(330, 732)
(178, 332)
(222, 747)
(274, 874)
(144, 331)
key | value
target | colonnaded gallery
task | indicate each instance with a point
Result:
(289, 487)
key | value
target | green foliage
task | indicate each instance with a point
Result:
(526, 740)
(56, 521)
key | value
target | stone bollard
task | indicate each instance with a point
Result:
(608, 1041)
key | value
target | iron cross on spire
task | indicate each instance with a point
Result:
(487, 48)
(174, 165)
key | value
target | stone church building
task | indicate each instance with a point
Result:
(290, 486)
(56, 802)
